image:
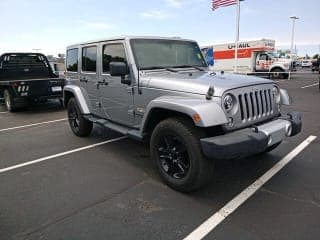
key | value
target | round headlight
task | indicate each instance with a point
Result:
(228, 102)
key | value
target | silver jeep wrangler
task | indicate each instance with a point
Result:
(160, 90)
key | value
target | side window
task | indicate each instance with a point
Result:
(263, 57)
(89, 59)
(112, 53)
(72, 60)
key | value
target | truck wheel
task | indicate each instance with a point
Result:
(277, 73)
(79, 125)
(8, 100)
(175, 148)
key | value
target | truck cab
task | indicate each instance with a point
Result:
(26, 78)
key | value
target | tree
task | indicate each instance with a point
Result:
(316, 56)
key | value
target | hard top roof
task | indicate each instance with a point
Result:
(126, 38)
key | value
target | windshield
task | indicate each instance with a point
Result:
(160, 53)
(274, 55)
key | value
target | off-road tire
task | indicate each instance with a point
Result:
(200, 168)
(8, 100)
(78, 124)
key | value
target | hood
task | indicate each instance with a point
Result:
(198, 82)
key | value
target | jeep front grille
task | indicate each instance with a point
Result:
(256, 104)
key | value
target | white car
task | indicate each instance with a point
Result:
(306, 63)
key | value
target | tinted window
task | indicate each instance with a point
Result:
(72, 60)
(112, 53)
(89, 59)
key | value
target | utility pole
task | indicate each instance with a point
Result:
(294, 18)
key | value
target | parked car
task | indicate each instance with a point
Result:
(27, 77)
(306, 63)
(160, 90)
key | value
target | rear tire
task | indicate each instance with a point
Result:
(78, 124)
(175, 147)
(8, 100)
(278, 73)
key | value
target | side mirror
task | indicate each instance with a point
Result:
(118, 69)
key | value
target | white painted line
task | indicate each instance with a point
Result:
(32, 124)
(59, 154)
(315, 84)
(4, 112)
(212, 222)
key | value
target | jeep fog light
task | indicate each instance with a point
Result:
(230, 122)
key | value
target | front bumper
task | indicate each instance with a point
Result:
(250, 141)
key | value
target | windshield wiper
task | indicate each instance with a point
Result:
(190, 66)
(159, 67)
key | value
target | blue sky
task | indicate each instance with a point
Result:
(52, 25)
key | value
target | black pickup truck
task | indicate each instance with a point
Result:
(26, 78)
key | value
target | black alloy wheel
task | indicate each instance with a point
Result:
(173, 156)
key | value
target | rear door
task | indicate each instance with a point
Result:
(89, 77)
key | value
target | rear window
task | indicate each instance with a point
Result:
(72, 60)
(89, 59)
(23, 59)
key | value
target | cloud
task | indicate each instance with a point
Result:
(175, 3)
(98, 25)
(154, 14)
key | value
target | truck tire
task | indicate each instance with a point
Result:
(8, 100)
(277, 73)
(175, 147)
(78, 124)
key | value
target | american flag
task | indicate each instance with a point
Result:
(222, 3)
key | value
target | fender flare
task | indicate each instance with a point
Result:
(209, 111)
(78, 95)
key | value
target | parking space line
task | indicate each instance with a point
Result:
(311, 85)
(60, 154)
(4, 112)
(32, 124)
(211, 223)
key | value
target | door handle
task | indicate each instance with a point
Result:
(83, 80)
(103, 82)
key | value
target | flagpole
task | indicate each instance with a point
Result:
(237, 37)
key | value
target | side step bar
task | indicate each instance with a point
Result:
(133, 133)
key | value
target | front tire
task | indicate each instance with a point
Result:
(78, 124)
(175, 147)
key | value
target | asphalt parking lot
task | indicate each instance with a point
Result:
(53, 188)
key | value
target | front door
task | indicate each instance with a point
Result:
(89, 79)
(116, 98)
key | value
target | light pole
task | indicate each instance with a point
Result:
(294, 18)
